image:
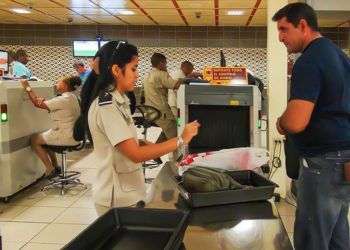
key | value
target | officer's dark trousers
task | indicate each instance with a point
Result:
(322, 204)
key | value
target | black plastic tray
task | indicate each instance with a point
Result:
(261, 189)
(202, 216)
(134, 229)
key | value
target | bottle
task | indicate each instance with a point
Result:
(222, 59)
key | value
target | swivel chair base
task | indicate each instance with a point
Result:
(64, 183)
(66, 179)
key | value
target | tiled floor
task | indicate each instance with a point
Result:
(46, 220)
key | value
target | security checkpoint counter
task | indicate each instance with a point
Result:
(244, 226)
(251, 225)
(19, 166)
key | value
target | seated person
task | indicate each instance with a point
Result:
(64, 111)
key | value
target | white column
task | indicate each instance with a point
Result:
(277, 89)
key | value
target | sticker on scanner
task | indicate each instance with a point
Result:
(234, 102)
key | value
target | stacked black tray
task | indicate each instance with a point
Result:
(134, 229)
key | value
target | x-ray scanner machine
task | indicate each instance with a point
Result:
(229, 115)
(19, 166)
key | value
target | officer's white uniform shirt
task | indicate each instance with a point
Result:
(172, 100)
(119, 181)
(64, 111)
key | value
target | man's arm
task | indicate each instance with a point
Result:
(296, 117)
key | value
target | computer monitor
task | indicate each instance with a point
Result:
(4, 57)
(85, 48)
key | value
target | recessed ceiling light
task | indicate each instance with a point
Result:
(126, 12)
(235, 12)
(21, 11)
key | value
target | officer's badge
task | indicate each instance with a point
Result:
(105, 98)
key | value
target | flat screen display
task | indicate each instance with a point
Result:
(85, 48)
(221, 127)
(4, 60)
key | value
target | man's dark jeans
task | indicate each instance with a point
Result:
(321, 221)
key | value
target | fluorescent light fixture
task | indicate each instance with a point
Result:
(21, 10)
(235, 12)
(126, 12)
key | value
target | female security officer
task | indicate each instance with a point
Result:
(64, 110)
(120, 180)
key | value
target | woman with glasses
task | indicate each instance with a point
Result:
(118, 155)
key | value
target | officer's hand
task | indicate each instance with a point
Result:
(25, 83)
(190, 130)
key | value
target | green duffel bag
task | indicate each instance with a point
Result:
(204, 179)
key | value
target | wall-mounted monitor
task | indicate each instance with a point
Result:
(85, 48)
(4, 57)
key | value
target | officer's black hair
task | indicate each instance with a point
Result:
(157, 58)
(72, 81)
(108, 55)
(294, 12)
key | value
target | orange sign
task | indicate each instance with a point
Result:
(225, 75)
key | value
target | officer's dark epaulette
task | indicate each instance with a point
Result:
(104, 98)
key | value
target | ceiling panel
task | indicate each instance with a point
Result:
(105, 19)
(8, 4)
(203, 21)
(75, 20)
(37, 3)
(38, 16)
(76, 3)
(260, 14)
(137, 20)
(230, 4)
(224, 12)
(155, 12)
(162, 11)
(258, 22)
(121, 4)
(168, 19)
(56, 11)
(233, 20)
(90, 11)
(165, 4)
(117, 11)
(192, 12)
(263, 4)
(204, 4)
